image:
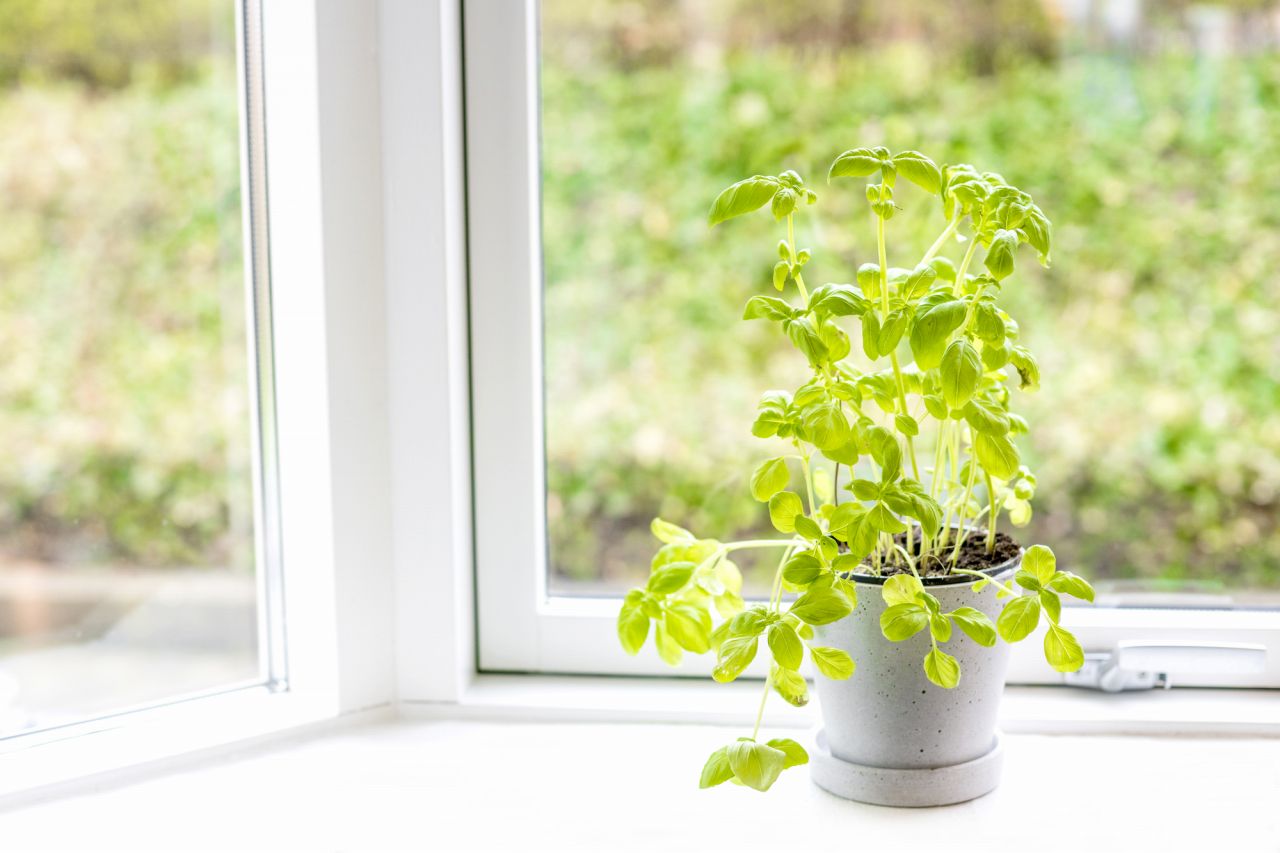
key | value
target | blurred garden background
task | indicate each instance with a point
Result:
(1149, 132)
(126, 497)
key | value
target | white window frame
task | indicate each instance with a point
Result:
(522, 626)
(368, 363)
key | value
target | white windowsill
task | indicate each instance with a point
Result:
(457, 786)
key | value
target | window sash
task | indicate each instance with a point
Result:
(521, 626)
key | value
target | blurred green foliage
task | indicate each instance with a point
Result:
(1157, 434)
(124, 393)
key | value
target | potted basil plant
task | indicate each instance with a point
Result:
(906, 589)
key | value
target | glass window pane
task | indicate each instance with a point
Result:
(127, 556)
(1150, 134)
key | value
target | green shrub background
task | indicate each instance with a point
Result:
(1156, 436)
(123, 400)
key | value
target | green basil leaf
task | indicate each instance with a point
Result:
(826, 425)
(790, 685)
(961, 369)
(1028, 369)
(795, 753)
(668, 649)
(821, 606)
(1072, 585)
(856, 163)
(933, 324)
(802, 569)
(633, 623)
(1062, 650)
(1026, 580)
(986, 416)
(668, 532)
(743, 197)
(806, 339)
(755, 764)
(1040, 562)
(733, 656)
(690, 626)
(999, 261)
(670, 578)
(787, 649)
(901, 589)
(976, 624)
(919, 170)
(808, 528)
(940, 627)
(1019, 618)
(941, 668)
(997, 454)
(766, 308)
(783, 509)
(769, 478)
(831, 662)
(1051, 603)
(784, 202)
(901, 621)
(717, 770)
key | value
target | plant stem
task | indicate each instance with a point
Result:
(987, 577)
(768, 682)
(958, 287)
(964, 505)
(808, 483)
(791, 246)
(835, 484)
(941, 241)
(893, 356)
(991, 525)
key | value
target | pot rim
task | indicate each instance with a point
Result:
(1004, 568)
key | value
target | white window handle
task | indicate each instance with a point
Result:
(1142, 666)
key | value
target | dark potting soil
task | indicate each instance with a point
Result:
(973, 556)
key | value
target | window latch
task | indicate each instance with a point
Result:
(1143, 666)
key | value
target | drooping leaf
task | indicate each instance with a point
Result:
(743, 197)
(831, 662)
(901, 589)
(786, 647)
(733, 656)
(1062, 650)
(756, 765)
(796, 754)
(997, 454)
(783, 509)
(821, 606)
(961, 369)
(856, 163)
(633, 623)
(717, 770)
(769, 478)
(901, 621)
(941, 668)
(690, 626)
(976, 624)
(1019, 618)
(1072, 585)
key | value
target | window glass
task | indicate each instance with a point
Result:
(127, 557)
(1150, 134)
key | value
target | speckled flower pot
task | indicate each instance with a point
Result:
(890, 736)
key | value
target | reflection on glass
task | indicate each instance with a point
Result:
(127, 569)
(1150, 133)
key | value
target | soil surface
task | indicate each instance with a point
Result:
(973, 556)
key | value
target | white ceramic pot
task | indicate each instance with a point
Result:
(892, 737)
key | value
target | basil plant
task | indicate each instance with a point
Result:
(914, 421)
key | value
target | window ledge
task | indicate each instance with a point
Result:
(468, 785)
(1025, 710)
